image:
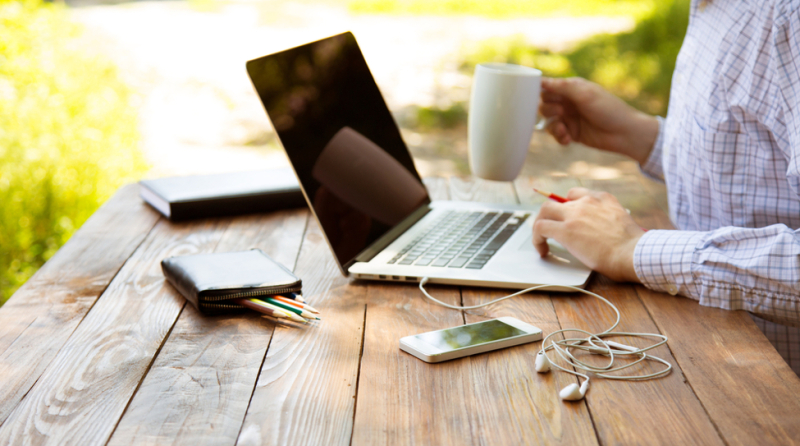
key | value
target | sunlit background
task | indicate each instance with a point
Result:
(95, 94)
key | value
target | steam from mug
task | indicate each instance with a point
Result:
(502, 115)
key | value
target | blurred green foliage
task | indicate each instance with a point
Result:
(506, 8)
(68, 136)
(436, 118)
(636, 66)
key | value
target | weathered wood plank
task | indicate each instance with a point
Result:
(749, 392)
(40, 317)
(658, 411)
(508, 390)
(199, 387)
(306, 390)
(438, 188)
(402, 400)
(747, 389)
(84, 391)
(678, 414)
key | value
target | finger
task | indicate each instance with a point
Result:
(571, 88)
(578, 192)
(551, 210)
(543, 230)
(559, 132)
(551, 109)
(549, 96)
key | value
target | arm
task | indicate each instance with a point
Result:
(586, 113)
(757, 270)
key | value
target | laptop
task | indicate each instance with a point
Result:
(360, 183)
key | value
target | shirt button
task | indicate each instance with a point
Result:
(672, 289)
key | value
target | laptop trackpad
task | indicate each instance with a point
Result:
(557, 252)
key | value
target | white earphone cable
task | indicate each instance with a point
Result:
(595, 342)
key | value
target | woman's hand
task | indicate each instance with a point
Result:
(586, 113)
(593, 227)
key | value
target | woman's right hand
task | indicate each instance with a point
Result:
(584, 112)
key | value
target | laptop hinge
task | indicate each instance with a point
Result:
(378, 245)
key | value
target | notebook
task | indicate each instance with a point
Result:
(200, 196)
(360, 182)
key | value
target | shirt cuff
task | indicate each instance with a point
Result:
(653, 167)
(663, 260)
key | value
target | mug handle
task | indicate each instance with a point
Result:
(544, 122)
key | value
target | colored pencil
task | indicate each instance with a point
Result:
(296, 296)
(290, 315)
(297, 304)
(280, 314)
(551, 195)
(287, 307)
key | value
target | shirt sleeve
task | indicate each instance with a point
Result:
(757, 270)
(652, 168)
(786, 41)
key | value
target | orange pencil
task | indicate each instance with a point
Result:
(296, 304)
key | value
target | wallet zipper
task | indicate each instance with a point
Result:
(253, 293)
(223, 307)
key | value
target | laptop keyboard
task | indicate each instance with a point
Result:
(461, 239)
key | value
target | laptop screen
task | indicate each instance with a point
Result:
(341, 139)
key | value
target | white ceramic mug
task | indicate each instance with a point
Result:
(502, 117)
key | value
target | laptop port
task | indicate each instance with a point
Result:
(381, 276)
(412, 279)
(396, 277)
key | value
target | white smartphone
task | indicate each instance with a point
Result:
(470, 339)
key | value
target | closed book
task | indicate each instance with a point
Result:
(200, 196)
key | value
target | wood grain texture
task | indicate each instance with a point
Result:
(438, 188)
(401, 399)
(84, 391)
(657, 411)
(508, 390)
(747, 389)
(306, 390)
(661, 411)
(199, 387)
(40, 317)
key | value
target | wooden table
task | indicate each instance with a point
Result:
(97, 348)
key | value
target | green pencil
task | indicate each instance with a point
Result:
(287, 307)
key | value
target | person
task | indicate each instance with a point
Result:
(729, 152)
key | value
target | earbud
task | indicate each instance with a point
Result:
(542, 364)
(574, 393)
(598, 343)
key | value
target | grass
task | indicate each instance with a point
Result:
(68, 138)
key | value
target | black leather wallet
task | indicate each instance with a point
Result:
(211, 281)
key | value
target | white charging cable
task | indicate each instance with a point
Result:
(595, 341)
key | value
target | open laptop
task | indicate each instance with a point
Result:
(360, 182)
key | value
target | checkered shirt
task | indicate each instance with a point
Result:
(729, 151)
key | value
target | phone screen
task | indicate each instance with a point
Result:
(468, 335)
